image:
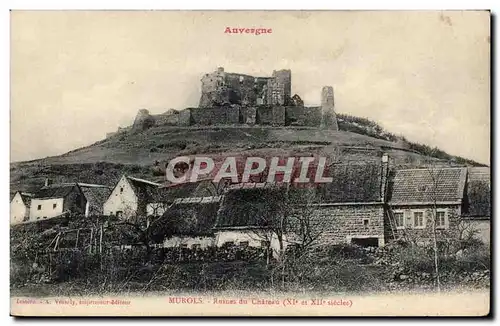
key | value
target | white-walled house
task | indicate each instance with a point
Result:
(129, 197)
(56, 200)
(20, 207)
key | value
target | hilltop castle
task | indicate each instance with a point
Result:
(232, 98)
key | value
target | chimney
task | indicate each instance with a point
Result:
(384, 177)
(48, 182)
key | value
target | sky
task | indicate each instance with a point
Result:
(76, 75)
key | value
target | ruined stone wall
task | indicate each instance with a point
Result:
(220, 88)
(248, 115)
(303, 116)
(214, 116)
(213, 89)
(312, 116)
(270, 116)
(279, 88)
(143, 120)
(329, 120)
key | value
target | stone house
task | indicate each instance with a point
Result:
(129, 198)
(420, 199)
(56, 200)
(350, 209)
(20, 207)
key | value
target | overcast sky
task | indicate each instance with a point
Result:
(77, 75)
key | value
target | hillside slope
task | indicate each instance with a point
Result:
(145, 153)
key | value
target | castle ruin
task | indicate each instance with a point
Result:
(232, 98)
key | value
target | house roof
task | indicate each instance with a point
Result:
(26, 197)
(143, 188)
(428, 185)
(185, 218)
(56, 191)
(478, 192)
(354, 182)
(251, 207)
(168, 194)
(96, 196)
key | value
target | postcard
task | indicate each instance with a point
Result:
(250, 163)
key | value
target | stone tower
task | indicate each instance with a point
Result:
(328, 116)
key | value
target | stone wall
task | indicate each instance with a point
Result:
(248, 115)
(185, 117)
(425, 234)
(342, 223)
(270, 116)
(214, 116)
(313, 116)
(143, 120)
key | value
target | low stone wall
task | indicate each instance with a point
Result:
(312, 116)
(248, 115)
(214, 116)
(271, 116)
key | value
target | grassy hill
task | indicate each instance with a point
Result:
(144, 153)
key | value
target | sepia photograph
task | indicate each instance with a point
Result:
(250, 163)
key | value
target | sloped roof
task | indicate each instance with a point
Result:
(26, 197)
(478, 192)
(354, 182)
(96, 196)
(55, 191)
(168, 194)
(185, 218)
(427, 185)
(143, 188)
(251, 207)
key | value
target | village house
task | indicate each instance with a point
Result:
(55, 200)
(129, 198)
(164, 196)
(188, 223)
(476, 211)
(422, 198)
(96, 196)
(350, 209)
(249, 216)
(20, 207)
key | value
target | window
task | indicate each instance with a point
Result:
(38, 217)
(45, 217)
(441, 220)
(366, 221)
(39, 207)
(54, 206)
(399, 218)
(121, 190)
(418, 220)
